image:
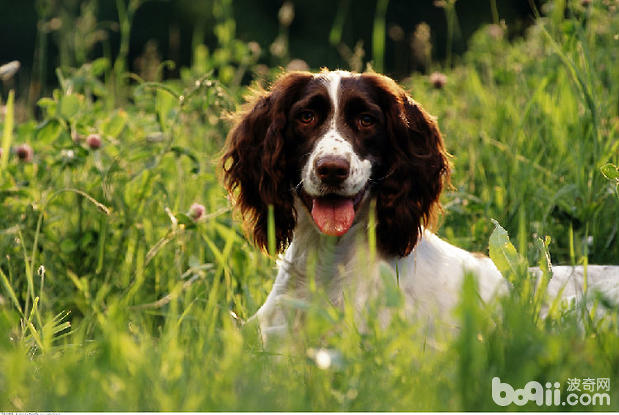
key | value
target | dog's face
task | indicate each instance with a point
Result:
(335, 140)
(340, 131)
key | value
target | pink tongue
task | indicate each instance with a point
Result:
(334, 216)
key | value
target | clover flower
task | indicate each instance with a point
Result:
(196, 211)
(438, 80)
(94, 141)
(24, 153)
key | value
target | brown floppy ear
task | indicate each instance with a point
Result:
(254, 163)
(417, 168)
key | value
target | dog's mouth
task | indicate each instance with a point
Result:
(333, 214)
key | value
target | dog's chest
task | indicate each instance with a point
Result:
(335, 267)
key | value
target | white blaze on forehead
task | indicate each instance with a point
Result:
(332, 80)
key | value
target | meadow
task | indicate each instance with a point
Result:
(119, 293)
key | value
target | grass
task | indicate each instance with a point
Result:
(113, 298)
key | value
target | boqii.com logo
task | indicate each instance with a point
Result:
(585, 392)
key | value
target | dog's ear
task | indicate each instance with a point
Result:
(254, 163)
(416, 169)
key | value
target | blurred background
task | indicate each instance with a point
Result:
(525, 92)
(397, 37)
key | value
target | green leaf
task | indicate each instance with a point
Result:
(165, 104)
(545, 267)
(67, 246)
(114, 125)
(610, 171)
(183, 219)
(99, 66)
(504, 255)
(251, 334)
(70, 106)
(49, 131)
(85, 240)
(13, 192)
(49, 105)
(182, 151)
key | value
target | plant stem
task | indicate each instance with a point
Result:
(378, 35)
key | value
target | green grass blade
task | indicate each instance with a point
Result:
(9, 290)
(378, 35)
(7, 135)
(271, 232)
(372, 231)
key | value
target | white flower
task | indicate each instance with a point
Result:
(9, 69)
(325, 358)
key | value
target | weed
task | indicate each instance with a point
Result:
(124, 278)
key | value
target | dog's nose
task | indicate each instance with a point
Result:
(332, 170)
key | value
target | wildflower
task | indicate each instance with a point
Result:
(261, 70)
(67, 155)
(325, 358)
(438, 80)
(279, 46)
(94, 141)
(495, 31)
(421, 44)
(396, 33)
(9, 69)
(254, 48)
(156, 137)
(286, 14)
(55, 24)
(196, 211)
(297, 65)
(24, 153)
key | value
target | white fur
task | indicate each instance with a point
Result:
(332, 81)
(430, 277)
(333, 144)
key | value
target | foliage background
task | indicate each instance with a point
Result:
(115, 297)
(45, 34)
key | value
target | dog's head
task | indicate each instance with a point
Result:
(335, 140)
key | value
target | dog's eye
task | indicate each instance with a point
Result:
(366, 121)
(307, 117)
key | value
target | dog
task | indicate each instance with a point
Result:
(352, 168)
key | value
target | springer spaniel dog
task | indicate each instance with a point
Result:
(336, 153)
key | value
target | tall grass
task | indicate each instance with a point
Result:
(7, 133)
(544, 112)
(114, 297)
